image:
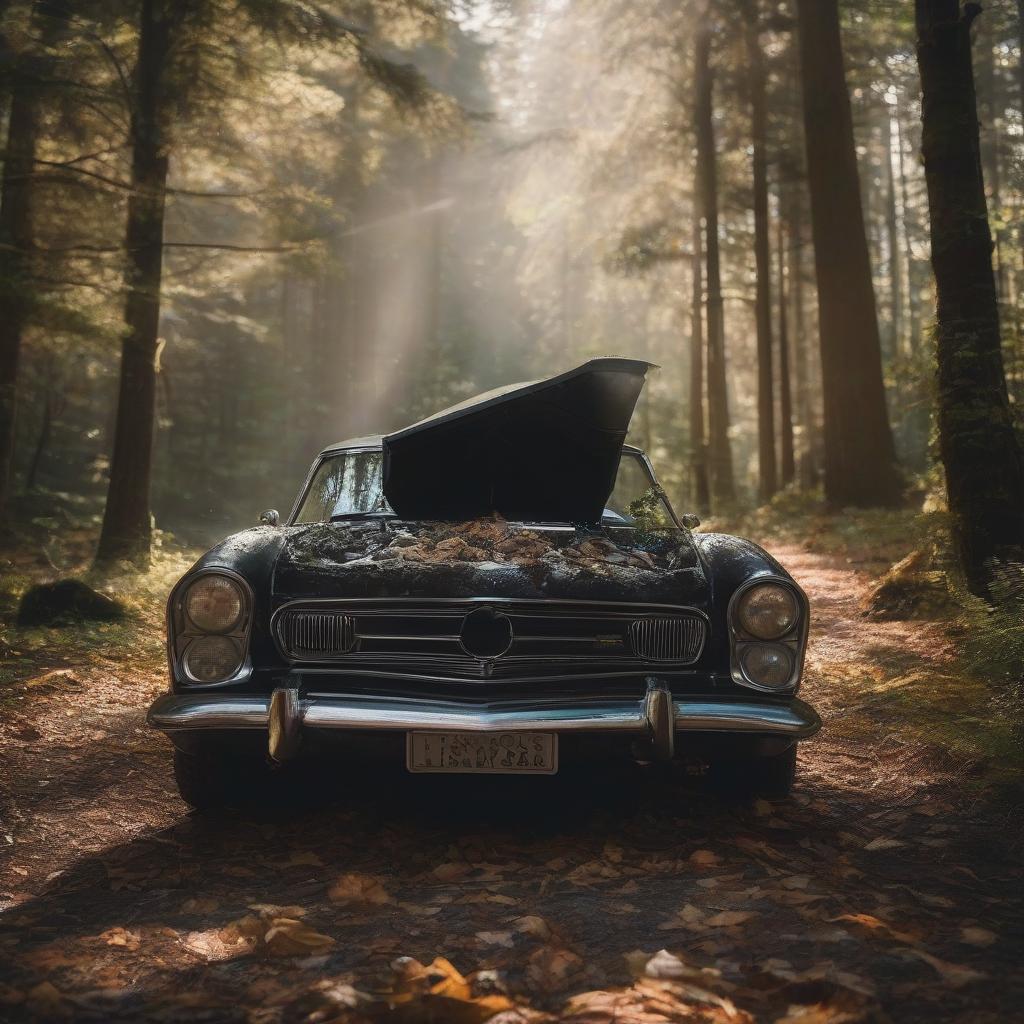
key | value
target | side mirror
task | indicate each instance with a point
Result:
(270, 517)
(690, 521)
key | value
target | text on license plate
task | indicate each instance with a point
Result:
(508, 753)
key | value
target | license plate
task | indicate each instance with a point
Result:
(504, 753)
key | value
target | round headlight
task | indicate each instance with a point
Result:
(768, 611)
(767, 664)
(214, 604)
(211, 659)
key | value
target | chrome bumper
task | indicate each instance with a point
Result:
(285, 716)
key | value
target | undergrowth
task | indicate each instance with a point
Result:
(971, 710)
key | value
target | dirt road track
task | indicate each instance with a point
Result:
(883, 890)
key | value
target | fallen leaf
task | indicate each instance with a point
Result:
(704, 859)
(669, 967)
(980, 937)
(451, 871)
(882, 843)
(550, 968)
(303, 859)
(533, 925)
(356, 888)
(496, 939)
(728, 918)
(955, 975)
(201, 905)
(216, 944)
(121, 937)
(289, 937)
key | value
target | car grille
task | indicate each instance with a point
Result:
(489, 637)
(318, 634)
(667, 638)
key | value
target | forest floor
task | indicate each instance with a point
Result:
(890, 887)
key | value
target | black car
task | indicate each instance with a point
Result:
(495, 588)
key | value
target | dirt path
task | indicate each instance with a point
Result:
(879, 892)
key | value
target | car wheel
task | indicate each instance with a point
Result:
(770, 776)
(210, 777)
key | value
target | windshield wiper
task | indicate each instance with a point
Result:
(343, 516)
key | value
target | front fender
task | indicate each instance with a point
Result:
(251, 554)
(730, 562)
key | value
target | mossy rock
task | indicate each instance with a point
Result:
(65, 601)
(912, 589)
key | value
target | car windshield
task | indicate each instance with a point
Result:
(348, 486)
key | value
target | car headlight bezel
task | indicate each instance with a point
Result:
(793, 640)
(183, 631)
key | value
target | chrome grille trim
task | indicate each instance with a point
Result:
(422, 635)
(675, 638)
(308, 634)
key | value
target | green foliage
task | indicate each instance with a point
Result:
(994, 635)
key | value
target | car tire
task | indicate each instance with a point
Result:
(211, 777)
(767, 776)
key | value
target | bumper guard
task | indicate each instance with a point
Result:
(656, 717)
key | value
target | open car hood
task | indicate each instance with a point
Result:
(546, 451)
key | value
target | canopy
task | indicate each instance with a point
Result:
(545, 451)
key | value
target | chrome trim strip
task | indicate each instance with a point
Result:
(184, 712)
(175, 712)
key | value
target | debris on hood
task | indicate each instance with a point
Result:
(494, 540)
(400, 558)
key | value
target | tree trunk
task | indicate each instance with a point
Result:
(16, 237)
(804, 414)
(723, 492)
(988, 102)
(893, 244)
(912, 294)
(698, 444)
(17, 233)
(756, 84)
(127, 526)
(977, 442)
(860, 459)
(785, 394)
(43, 440)
(1020, 45)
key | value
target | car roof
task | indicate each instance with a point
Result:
(371, 441)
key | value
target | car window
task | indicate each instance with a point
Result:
(635, 500)
(345, 485)
(350, 484)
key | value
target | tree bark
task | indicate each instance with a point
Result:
(988, 102)
(756, 85)
(860, 458)
(977, 442)
(723, 490)
(16, 237)
(785, 393)
(912, 294)
(127, 522)
(17, 230)
(698, 443)
(893, 245)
